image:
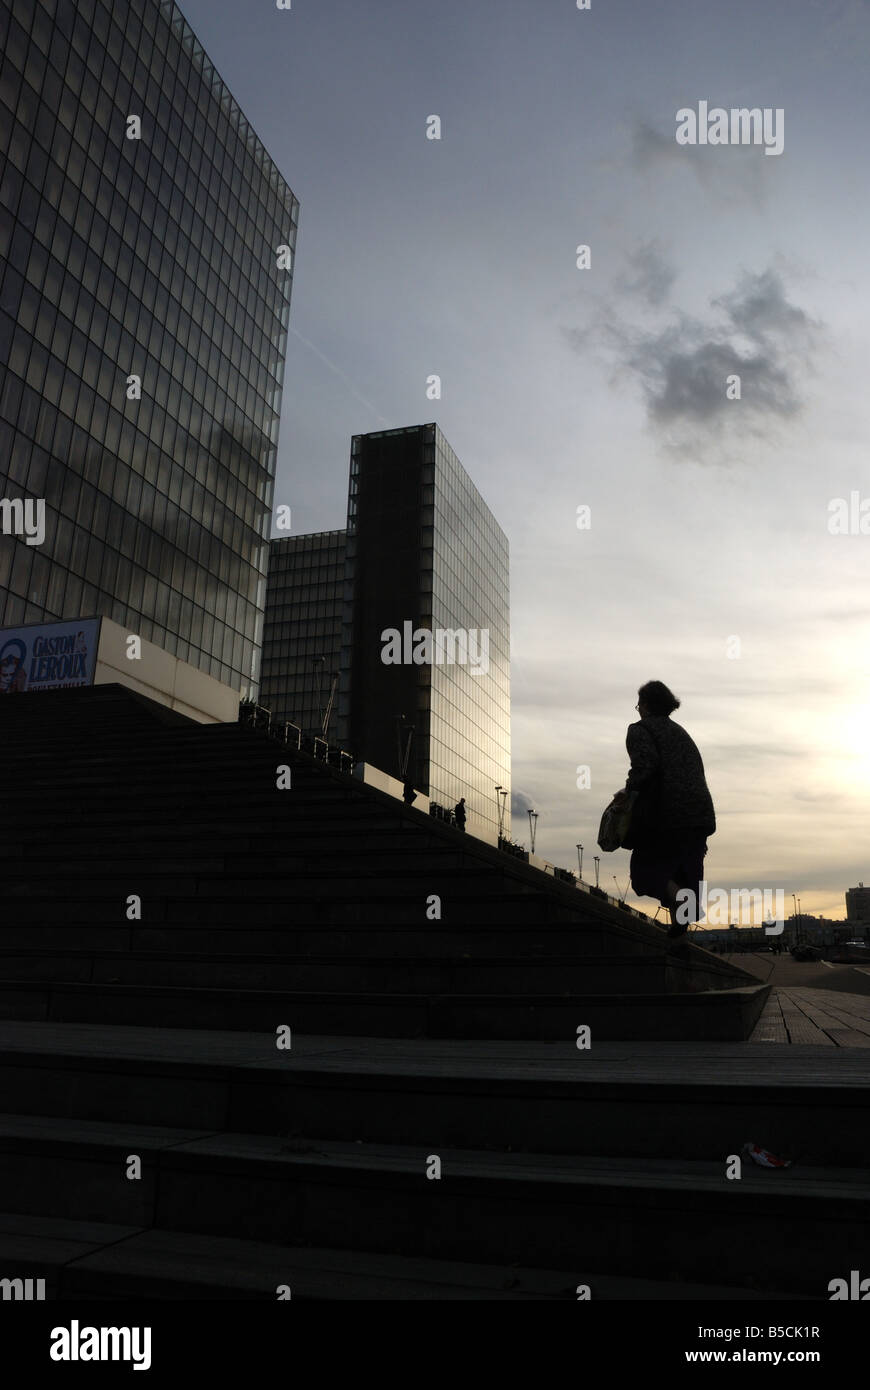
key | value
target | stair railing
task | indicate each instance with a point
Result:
(255, 716)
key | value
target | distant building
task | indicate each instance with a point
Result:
(302, 632)
(424, 656)
(858, 904)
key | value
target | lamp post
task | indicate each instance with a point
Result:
(597, 859)
(580, 859)
(501, 802)
(800, 922)
(533, 825)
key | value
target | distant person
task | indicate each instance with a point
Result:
(673, 812)
(459, 813)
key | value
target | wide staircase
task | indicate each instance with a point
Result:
(311, 1039)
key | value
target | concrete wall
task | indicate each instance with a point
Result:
(374, 777)
(163, 678)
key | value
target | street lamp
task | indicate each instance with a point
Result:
(580, 859)
(501, 802)
(533, 815)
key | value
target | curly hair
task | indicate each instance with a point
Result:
(657, 698)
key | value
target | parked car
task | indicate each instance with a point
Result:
(806, 952)
(852, 953)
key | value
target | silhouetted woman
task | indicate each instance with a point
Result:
(673, 812)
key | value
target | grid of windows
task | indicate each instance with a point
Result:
(423, 546)
(302, 632)
(154, 257)
(468, 558)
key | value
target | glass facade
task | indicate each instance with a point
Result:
(469, 751)
(302, 632)
(424, 552)
(154, 258)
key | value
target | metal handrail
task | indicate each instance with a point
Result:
(258, 717)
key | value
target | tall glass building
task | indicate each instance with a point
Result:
(303, 631)
(426, 553)
(144, 308)
(422, 554)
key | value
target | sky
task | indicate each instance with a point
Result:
(712, 559)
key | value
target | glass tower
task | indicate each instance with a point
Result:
(146, 250)
(302, 632)
(425, 553)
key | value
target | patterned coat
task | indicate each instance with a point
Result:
(668, 774)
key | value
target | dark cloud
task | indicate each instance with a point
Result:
(758, 307)
(761, 337)
(683, 373)
(521, 804)
(682, 366)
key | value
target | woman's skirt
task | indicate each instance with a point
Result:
(660, 858)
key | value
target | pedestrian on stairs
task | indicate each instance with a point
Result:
(672, 814)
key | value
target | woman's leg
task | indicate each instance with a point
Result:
(671, 904)
(686, 879)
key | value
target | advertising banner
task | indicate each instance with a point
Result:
(48, 656)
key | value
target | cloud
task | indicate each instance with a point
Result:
(758, 307)
(682, 364)
(648, 277)
(761, 338)
(683, 372)
(521, 803)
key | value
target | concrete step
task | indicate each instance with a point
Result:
(264, 876)
(682, 1218)
(723, 1014)
(308, 910)
(660, 1101)
(269, 832)
(349, 973)
(602, 972)
(227, 852)
(92, 1260)
(509, 939)
(100, 805)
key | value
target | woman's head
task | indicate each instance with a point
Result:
(655, 698)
